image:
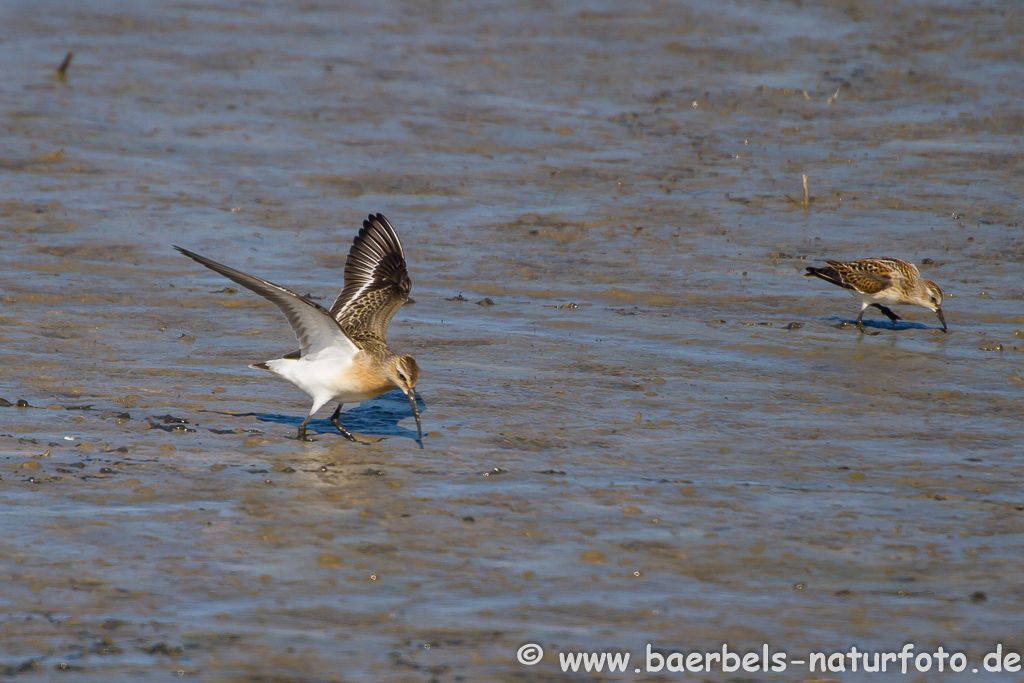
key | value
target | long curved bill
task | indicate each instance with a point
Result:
(942, 319)
(411, 395)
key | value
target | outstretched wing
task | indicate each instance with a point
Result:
(313, 324)
(376, 280)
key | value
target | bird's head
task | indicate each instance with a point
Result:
(933, 295)
(403, 372)
(933, 300)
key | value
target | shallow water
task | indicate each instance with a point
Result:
(669, 461)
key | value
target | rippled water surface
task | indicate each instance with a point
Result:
(658, 433)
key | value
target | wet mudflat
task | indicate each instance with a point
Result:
(658, 433)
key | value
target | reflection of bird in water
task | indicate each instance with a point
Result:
(882, 282)
(344, 356)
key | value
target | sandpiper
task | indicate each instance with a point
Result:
(880, 281)
(343, 355)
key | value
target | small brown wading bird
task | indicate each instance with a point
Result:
(343, 355)
(882, 282)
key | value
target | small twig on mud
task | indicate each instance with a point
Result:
(806, 200)
(62, 70)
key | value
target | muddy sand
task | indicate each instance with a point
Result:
(659, 433)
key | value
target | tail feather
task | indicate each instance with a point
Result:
(265, 365)
(828, 274)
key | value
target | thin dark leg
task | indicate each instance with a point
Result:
(301, 436)
(337, 423)
(860, 324)
(887, 312)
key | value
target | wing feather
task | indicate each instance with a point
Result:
(901, 268)
(313, 324)
(376, 280)
(863, 276)
(868, 276)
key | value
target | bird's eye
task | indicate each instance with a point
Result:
(402, 377)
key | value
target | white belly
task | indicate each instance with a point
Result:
(328, 376)
(887, 297)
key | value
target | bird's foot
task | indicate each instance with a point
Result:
(887, 312)
(344, 432)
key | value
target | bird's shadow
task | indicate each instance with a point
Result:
(880, 324)
(377, 417)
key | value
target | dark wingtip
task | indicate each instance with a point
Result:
(382, 233)
(375, 217)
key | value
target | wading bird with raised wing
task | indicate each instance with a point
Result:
(343, 355)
